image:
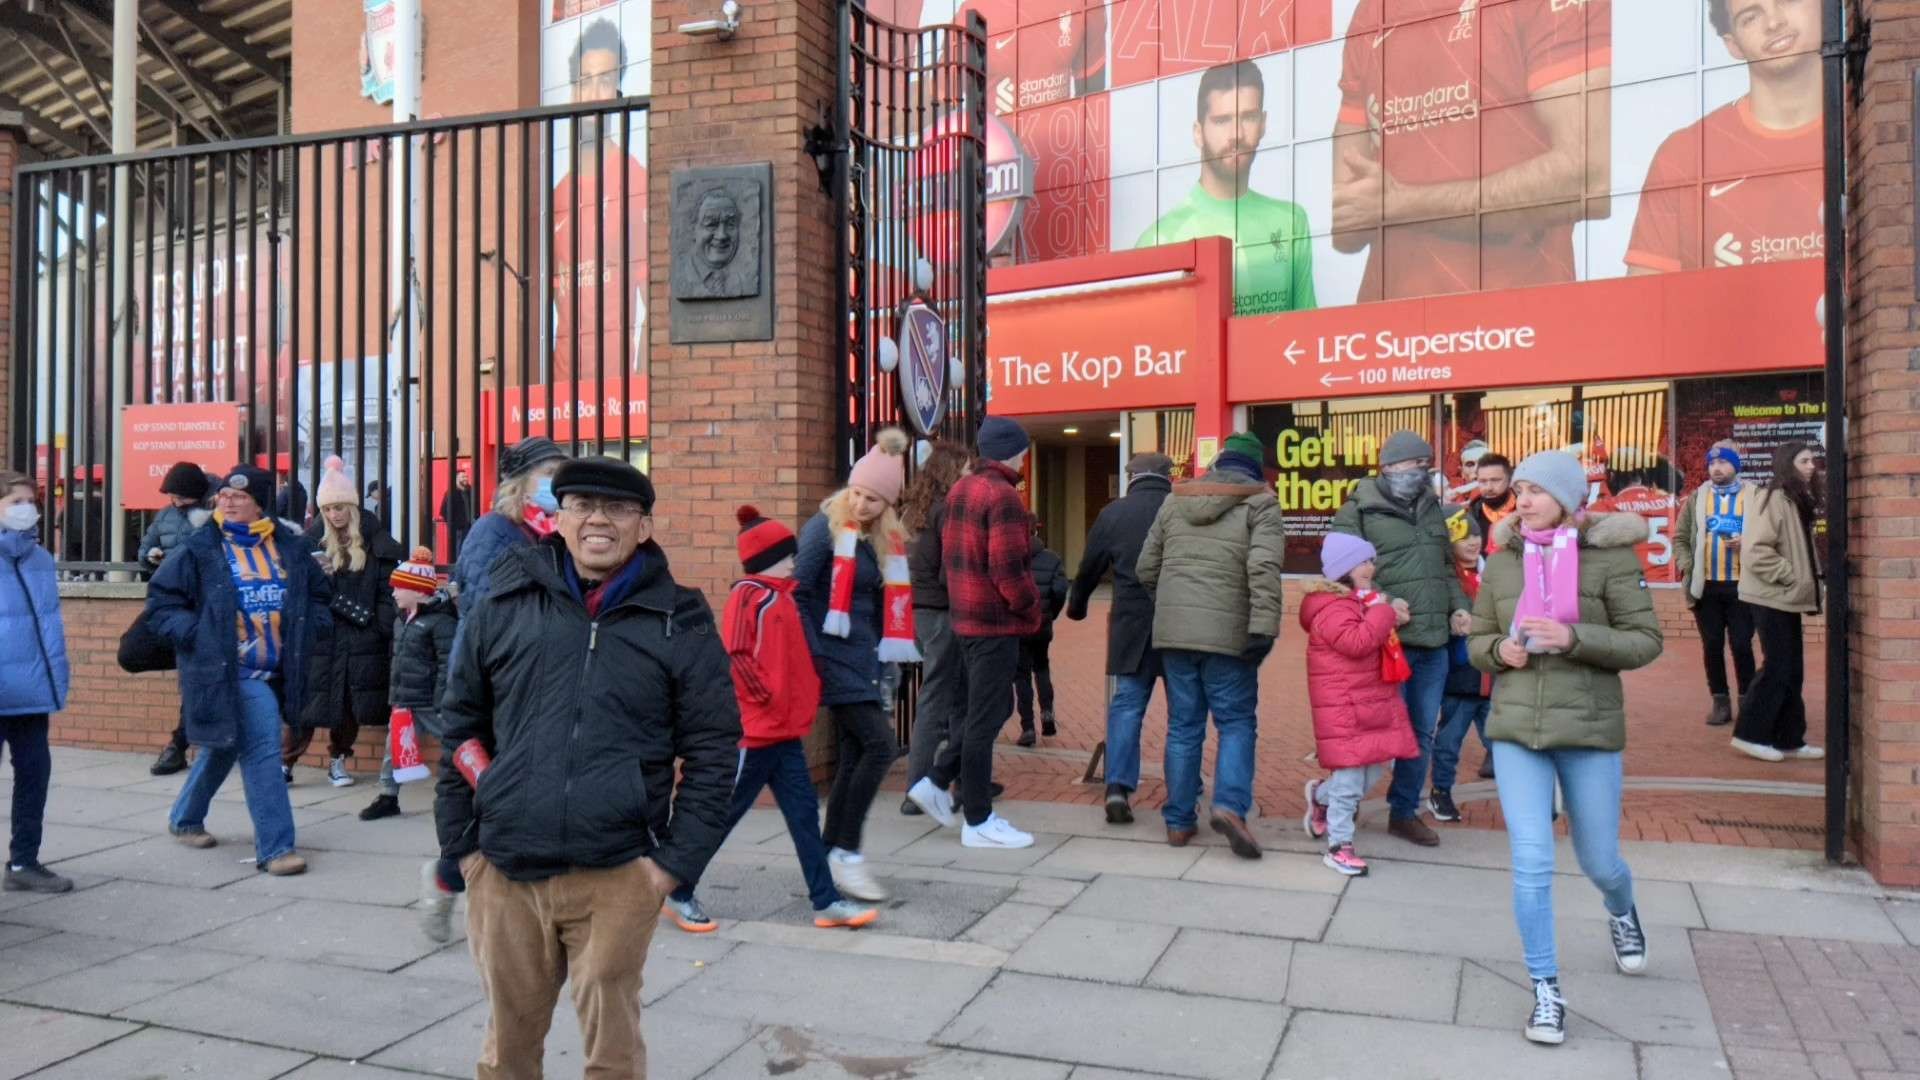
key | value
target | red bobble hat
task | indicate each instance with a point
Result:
(417, 573)
(763, 542)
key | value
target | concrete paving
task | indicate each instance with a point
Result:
(1099, 954)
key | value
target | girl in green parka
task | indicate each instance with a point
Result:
(1563, 610)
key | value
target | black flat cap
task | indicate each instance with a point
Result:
(607, 477)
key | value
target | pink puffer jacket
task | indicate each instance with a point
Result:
(1358, 719)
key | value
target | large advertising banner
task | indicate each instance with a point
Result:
(1378, 150)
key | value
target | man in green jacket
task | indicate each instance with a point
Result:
(1212, 561)
(1399, 514)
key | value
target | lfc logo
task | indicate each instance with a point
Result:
(1066, 31)
(1463, 29)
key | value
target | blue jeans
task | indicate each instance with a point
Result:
(1457, 714)
(783, 767)
(1125, 713)
(1422, 693)
(257, 752)
(1229, 687)
(1590, 782)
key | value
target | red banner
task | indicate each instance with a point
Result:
(157, 436)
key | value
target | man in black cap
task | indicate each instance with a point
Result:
(187, 487)
(586, 671)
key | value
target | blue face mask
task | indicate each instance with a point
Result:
(543, 496)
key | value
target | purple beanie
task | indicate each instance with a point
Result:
(1340, 553)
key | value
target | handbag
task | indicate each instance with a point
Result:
(353, 611)
(142, 650)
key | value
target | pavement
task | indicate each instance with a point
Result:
(1098, 954)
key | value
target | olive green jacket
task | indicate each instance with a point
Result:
(1776, 557)
(1570, 700)
(1414, 558)
(1212, 561)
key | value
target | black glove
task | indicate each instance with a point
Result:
(1076, 614)
(1258, 646)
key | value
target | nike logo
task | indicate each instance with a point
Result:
(1381, 38)
(1718, 190)
(1003, 42)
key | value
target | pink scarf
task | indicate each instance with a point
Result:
(1551, 564)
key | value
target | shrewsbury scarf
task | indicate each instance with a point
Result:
(1394, 668)
(1552, 568)
(260, 590)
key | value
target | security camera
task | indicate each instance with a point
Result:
(722, 27)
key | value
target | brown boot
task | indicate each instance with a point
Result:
(286, 865)
(1179, 837)
(1414, 831)
(1239, 837)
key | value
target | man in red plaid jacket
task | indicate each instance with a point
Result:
(988, 558)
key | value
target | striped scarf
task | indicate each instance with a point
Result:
(260, 590)
(1726, 518)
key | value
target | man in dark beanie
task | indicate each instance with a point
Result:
(986, 549)
(187, 487)
(586, 671)
(1113, 544)
(1212, 560)
(1399, 513)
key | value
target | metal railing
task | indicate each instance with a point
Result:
(409, 298)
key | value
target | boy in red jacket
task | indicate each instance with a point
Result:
(779, 693)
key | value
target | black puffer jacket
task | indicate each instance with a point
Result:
(349, 670)
(924, 561)
(585, 720)
(1050, 577)
(1114, 544)
(422, 647)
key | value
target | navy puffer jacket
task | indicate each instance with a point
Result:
(849, 666)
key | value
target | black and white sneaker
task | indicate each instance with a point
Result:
(1629, 942)
(1548, 1024)
(1441, 803)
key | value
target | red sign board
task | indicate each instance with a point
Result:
(155, 437)
(1764, 317)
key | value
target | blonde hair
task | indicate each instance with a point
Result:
(882, 532)
(349, 553)
(510, 498)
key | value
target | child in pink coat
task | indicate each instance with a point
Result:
(1354, 670)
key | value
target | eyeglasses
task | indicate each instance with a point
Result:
(617, 511)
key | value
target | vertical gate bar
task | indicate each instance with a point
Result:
(174, 173)
(293, 298)
(573, 292)
(382, 342)
(205, 315)
(26, 296)
(550, 308)
(316, 443)
(63, 473)
(453, 318)
(80, 428)
(253, 306)
(339, 186)
(529, 276)
(410, 461)
(629, 355)
(599, 281)
(361, 358)
(233, 284)
(149, 200)
(189, 310)
(499, 309)
(475, 295)
(429, 314)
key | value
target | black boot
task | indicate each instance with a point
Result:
(172, 759)
(1118, 811)
(910, 808)
(1722, 713)
(382, 806)
(1026, 736)
(1046, 724)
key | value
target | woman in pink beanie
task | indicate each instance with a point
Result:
(850, 575)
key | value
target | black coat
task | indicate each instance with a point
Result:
(422, 646)
(925, 564)
(849, 666)
(348, 672)
(1050, 578)
(1114, 544)
(585, 720)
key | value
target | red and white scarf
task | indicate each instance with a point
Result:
(1394, 667)
(896, 633)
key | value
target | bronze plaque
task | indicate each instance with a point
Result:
(721, 282)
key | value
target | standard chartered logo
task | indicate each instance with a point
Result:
(1726, 251)
(1730, 251)
(1003, 98)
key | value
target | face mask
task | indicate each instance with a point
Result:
(20, 517)
(1404, 486)
(543, 496)
(197, 518)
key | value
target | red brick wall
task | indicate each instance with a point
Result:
(1883, 395)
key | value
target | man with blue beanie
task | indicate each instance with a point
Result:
(1706, 549)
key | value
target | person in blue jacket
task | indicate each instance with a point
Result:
(242, 601)
(33, 678)
(523, 512)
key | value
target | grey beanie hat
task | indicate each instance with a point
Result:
(1404, 446)
(1559, 474)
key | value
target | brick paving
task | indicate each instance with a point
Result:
(1792, 1008)
(1666, 738)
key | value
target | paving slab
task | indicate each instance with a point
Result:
(60, 842)
(99, 806)
(1094, 1072)
(1117, 1027)
(1102, 950)
(806, 1055)
(867, 943)
(1680, 1063)
(280, 1003)
(943, 848)
(1273, 870)
(937, 911)
(738, 892)
(122, 772)
(1338, 1045)
(352, 877)
(144, 912)
(1744, 910)
(1225, 965)
(1905, 915)
(1374, 982)
(55, 954)
(411, 835)
(36, 1038)
(757, 983)
(1089, 857)
(123, 981)
(679, 1046)
(1048, 892)
(1470, 888)
(12, 934)
(1008, 926)
(761, 825)
(330, 1069)
(1638, 1008)
(350, 935)
(1490, 1000)
(154, 1053)
(1268, 912)
(227, 819)
(162, 861)
(1490, 936)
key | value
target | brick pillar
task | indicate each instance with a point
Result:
(1883, 393)
(750, 421)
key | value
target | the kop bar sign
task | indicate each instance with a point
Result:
(1009, 171)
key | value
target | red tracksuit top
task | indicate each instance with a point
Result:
(773, 675)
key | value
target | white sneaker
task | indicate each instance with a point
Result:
(337, 774)
(852, 876)
(1756, 750)
(995, 832)
(1808, 753)
(932, 801)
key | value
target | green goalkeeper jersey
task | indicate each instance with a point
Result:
(1273, 248)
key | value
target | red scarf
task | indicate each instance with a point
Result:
(1394, 668)
(896, 629)
(846, 546)
(538, 522)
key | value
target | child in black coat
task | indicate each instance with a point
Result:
(1036, 668)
